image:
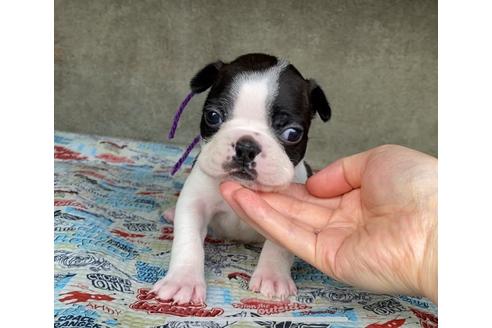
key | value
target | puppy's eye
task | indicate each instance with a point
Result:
(291, 135)
(213, 118)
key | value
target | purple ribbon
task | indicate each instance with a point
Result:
(172, 132)
(183, 157)
(180, 110)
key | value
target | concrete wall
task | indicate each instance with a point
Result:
(122, 67)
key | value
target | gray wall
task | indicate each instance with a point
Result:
(122, 67)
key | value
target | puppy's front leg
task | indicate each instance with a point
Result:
(185, 280)
(272, 274)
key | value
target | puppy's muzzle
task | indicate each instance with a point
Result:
(242, 165)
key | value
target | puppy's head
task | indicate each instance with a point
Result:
(256, 119)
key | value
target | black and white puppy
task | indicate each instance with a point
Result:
(255, 127)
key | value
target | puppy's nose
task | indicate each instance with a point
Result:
(246, 150)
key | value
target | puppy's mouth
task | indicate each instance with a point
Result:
(247, 181)
(240, 172)
(244, 174)
(247, 177)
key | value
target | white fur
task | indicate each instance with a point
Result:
(201, 204)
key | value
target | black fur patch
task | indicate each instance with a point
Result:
(319, 103)
(205, 77)
(291, 107)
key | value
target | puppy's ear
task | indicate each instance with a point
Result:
(206, 77)
(318, 100)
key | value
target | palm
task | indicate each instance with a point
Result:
(356, 248)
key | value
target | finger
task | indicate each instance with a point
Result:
(228, 190)
(339, 177)
(303, 213)
(278, 227)
(300, 192)
(228, 187)
(282, 203)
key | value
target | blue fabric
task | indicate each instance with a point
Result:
(112, 243)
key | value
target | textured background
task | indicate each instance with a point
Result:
(122, 67)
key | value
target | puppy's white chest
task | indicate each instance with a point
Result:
(227, 225)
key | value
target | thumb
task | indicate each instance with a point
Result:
(339, 177)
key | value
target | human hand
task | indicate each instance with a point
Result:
(369, 220)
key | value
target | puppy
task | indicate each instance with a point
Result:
(254, 127)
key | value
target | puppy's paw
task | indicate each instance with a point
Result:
(272, 284)
(181, 287)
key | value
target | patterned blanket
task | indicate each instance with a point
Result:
(112, 243)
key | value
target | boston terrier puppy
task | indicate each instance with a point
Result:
(254, 129)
